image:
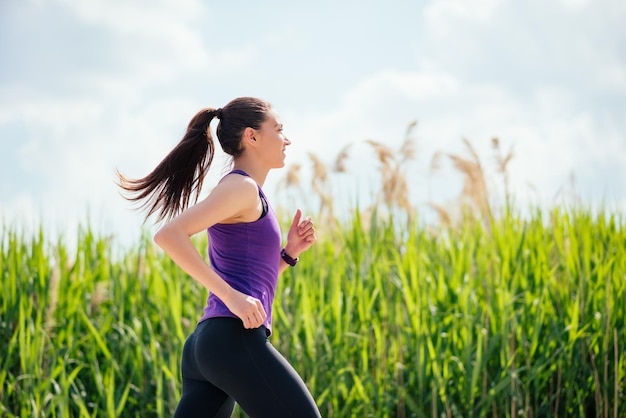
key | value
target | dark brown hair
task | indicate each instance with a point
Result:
(168, 189)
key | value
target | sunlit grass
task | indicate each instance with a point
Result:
(524, 318)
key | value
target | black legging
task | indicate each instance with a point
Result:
(224, 363)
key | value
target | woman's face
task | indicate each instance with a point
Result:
(272, 141)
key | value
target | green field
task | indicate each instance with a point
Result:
(516, 317)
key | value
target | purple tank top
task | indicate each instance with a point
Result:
(246, 256)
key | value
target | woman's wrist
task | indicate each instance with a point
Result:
(291, 250)
(288, 257)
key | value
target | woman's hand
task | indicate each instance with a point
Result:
(247, 308)
(301, 235)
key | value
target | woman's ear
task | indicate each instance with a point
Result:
(248, 136)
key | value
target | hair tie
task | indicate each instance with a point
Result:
(218, 113)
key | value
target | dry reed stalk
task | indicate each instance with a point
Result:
(395, 190)
(292, 178)
(474, 187)
(502, 162)
(442, 213)
(385, 155)
(435, 162)
(407, 150)
(340, 161)
(474, 193)
(321, 186)
(320, 173)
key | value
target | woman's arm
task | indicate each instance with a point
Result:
(231, 199)
(300, 237)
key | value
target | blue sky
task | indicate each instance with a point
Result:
(88, 86)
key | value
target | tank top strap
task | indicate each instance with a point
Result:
(243, 173)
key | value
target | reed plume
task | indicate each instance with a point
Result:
(502, 162)
(340, 161)
(474, 195)
(395, 190)
(320, 184)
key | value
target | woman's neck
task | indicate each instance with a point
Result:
(257, 173)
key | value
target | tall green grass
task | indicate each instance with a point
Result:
(382, 318)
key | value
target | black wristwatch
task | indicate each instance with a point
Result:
(291, 261)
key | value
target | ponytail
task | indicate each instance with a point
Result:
(168, 189)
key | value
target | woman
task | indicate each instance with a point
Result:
(228, 357)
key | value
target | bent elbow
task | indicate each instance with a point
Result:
(160, 237)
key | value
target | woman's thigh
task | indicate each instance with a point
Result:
(248, 368)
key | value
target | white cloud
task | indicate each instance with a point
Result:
(411, 85)
(548, 79)
(521, 43)
(158, 41)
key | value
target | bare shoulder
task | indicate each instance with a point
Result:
(239, 183)
(236, 191)
(240, 194)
